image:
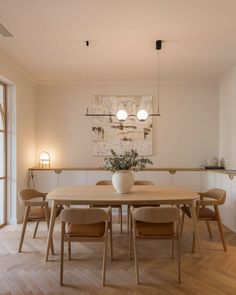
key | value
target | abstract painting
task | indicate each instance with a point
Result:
(109, 133)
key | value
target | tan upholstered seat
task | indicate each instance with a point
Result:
(84, 224)
(204, 213)
(213, 198)
(155, 222)
(154, 229)
(86, 230)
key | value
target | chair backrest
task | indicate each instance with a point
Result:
(29, 194)
(143, 182)
(156, 214)
(104, 182)
(84, 215)
(218, 194)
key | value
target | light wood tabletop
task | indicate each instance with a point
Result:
(106, 194)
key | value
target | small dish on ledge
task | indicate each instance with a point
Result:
(213, 167)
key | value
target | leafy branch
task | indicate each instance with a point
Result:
(130, 160)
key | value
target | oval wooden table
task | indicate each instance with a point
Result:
(106, 194)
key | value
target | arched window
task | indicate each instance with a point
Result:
(3, 154)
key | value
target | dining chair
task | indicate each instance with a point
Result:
(213, 198)
(136, 182)
(158, 223)
(36, 209)
(84, 225)
(119, 207)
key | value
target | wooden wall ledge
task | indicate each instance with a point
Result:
(101, 169)
(171, 170)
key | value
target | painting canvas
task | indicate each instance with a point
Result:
(109, 133)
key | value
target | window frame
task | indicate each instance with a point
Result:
(4, 131)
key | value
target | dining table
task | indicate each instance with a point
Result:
(106, 195)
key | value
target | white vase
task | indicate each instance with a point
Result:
(123, 181)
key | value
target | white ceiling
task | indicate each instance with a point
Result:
(48, 42)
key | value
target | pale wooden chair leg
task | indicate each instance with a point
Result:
(179, 257)
(193, 245)
(121, 221)
(118, 215)
(47, 217)
(111, 238)
(104, 256)
(135, 255)
(209, 229)
(62, 252)
(130, 235)
(27, 209)
(69, 250)
(128, 218)
(194, 237)
(182, 223)
(172, 249)
(35, 229)
(218, 219)
(179, 261)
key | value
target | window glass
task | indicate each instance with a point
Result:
(1, 94)
(2, 193)
(1, 106)
(2, 154)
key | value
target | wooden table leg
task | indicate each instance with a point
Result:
(195, 226)
(50, 230)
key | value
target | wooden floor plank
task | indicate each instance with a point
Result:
(26, 273)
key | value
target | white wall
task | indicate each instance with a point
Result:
(227, 122)
(184, 136)
(22, 134)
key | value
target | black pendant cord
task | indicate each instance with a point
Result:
(158, 48)
(87, 68)
(158, 85)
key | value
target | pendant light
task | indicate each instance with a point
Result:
(142, 115)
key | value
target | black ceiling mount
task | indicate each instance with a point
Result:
(158, 44)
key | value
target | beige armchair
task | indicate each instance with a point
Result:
(159, 223)
(84, 224)
(36, 209)
(213, 198)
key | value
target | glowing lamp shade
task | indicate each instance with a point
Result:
(44, 160)
(121, 115)
(142, 115)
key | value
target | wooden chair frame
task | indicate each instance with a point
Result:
(203, 203)
(175, 237)
(129, 218)
(65, 238)
(28, 203)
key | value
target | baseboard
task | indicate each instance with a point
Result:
(13, 221)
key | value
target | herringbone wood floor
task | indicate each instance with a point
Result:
(27, 273)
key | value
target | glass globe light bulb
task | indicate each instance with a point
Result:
(142, 115)
(44, 156)
(121, 115)
(44, 160)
